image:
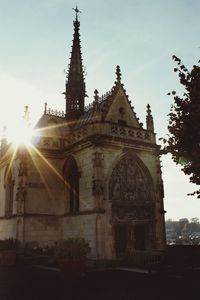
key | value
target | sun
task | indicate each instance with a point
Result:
(20, 133)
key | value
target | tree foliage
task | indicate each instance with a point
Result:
(183, 139)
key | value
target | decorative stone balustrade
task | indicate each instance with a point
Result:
(111, 130)
(53, 112)
(100, 100)
(115, 130)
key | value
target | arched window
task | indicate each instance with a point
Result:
(9, 186)
(71, 177)
(128, 181)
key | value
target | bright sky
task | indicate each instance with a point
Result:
(140, 36)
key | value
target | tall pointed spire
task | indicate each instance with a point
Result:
(75, 86)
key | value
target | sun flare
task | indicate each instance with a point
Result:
(20, 135)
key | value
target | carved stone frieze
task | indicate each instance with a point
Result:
(127, 213)
(49, 143)
(136, 134)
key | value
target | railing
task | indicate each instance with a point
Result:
(101, 99)
(144, 259)
(135, 134)
(114, 130)
(53, 112)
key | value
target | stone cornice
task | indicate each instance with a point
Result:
(68, 214)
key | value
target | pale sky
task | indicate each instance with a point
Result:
(139, 35)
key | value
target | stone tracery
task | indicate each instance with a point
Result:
(128, 182)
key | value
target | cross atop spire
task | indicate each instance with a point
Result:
(77, 11)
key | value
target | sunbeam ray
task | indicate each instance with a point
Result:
(11, 161)
(40, 173)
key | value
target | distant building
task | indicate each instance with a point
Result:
(183, 232)
(92, 172)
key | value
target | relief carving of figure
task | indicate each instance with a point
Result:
(98, 187)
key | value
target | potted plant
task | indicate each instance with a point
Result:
(71, 254)
(8, 251)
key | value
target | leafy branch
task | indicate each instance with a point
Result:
(183, 138)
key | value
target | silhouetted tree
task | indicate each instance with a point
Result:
(194, 225)
(183, 140)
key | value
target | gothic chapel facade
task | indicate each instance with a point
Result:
(93, 172)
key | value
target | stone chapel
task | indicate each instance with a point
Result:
(91, 172)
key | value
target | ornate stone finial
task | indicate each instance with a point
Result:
(96, 96)
(118, 73)
(45, 108)
(77, 11)
(96, 100)
(148, 110)
(149, 119)
(27, 115)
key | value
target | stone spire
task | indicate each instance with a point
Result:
(75, 86)
(149, 119)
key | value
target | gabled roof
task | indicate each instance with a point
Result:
(114, 106)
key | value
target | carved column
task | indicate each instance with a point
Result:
(98, 193)
(97, 183)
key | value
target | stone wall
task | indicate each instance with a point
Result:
(8, 228)
(83, 226)
(45, 187)
(42, 230)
